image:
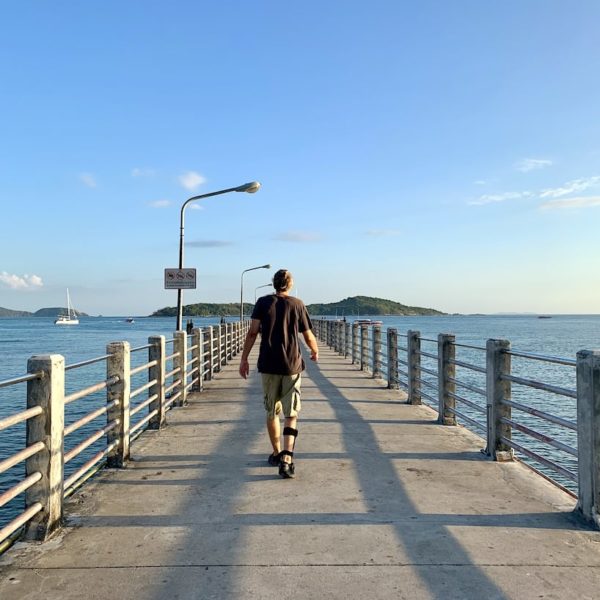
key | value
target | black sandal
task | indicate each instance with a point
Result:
(287, 470)
(274, 459)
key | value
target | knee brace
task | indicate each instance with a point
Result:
(294, 433)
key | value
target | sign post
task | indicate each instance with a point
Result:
(180, 279)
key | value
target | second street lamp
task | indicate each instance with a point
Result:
(258, 288)
(250, 188)
(242, 288)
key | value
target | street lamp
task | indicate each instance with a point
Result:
(258, 288)
(251, 187)
(242, 288)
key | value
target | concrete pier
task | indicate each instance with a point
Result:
(387, 503)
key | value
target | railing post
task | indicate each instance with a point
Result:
(347, 338)
(229, 334)
(355, 334)
(588, 434)
(235, 333)
(156, 373)
(392, 358)
(377, 372)
(498, 390)
(414, 366)
(224, 332)
(364, 347)
(226, 343)
(48, 392)
(197, 358)
(446, 373)
(180, 362)
(217, 330)
(210, 359)
(118, 365)
(336, 337)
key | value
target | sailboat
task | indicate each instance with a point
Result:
(71, 317)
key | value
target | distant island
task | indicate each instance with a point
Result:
(365, 305)
(42, 312)
(354, 306)
(205, 309)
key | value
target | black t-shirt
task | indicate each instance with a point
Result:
(281, 318)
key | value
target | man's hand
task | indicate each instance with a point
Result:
(244, 368)
(314, 356)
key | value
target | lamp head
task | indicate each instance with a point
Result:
(266, 267)
(251, 187)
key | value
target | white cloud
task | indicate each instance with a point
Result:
(532, 164)
(196, 206)
(568, 188)
(88, 179)
(576, 185)
(298, 236)
(16, 282)
(160, 203)
(383, 232)
(580, 202)
(490, 198)
(191, 180)
(480, 182)
(142, 172)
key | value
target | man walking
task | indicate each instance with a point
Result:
(280, 319)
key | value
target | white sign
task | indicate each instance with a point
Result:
(180, 279)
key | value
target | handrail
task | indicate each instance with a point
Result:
(382, 353)
(84, 363)
(21, 379)
(550, 359)
(20, 417)
(201, 360)
(541, 386)
(90, 390)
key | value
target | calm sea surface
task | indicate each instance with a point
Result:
(560, 336)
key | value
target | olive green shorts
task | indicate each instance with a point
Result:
(281, 392)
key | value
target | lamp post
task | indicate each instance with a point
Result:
(250, 188)
(242, 288)
(258, 288)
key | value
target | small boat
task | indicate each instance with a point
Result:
(544, 317)
(71, 317)
(129, 320)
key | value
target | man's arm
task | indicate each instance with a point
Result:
(248, 343)
(311, 342)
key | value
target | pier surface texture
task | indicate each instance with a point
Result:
(387, 503)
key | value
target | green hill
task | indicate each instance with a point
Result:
(365, 305)
(7, 312)
(357, 305)
(205, 309)
(42, 312)
(55, 311)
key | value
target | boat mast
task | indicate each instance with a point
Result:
(68, 305)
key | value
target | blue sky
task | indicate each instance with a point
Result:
(441, 154)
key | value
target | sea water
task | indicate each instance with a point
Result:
(560, 336)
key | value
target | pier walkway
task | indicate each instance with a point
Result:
(386, 504)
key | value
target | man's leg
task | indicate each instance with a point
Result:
(289, 440)
(274, 429)
(271, 385)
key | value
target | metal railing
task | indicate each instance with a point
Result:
(497, 393)
(66, 444)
